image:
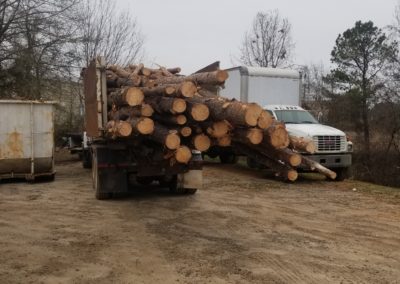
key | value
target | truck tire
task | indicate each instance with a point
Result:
(87, 159)
(97, 185)
(228, 158)
(173, 188)
(341, 174)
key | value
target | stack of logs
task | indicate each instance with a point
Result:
(182, 113)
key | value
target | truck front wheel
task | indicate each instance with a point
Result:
(342, 174)
(228, 158)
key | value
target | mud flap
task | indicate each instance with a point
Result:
(191, 179)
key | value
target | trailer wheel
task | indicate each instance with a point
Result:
(86, 159)
(228, 158)
(173, 188)
(97, 185)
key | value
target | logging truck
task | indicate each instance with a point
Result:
(118, 161)
(278, 90)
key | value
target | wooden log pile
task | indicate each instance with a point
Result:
(181, 114)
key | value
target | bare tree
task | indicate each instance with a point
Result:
(268, 43)
(109, 32)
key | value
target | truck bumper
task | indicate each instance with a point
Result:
(332, 160)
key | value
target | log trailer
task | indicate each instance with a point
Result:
(116, 162)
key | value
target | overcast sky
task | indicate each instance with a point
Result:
(192, 34)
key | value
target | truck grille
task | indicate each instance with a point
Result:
(330, 143)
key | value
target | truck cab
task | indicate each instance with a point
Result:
(333, 149)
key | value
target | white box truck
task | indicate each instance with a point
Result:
(278, 91)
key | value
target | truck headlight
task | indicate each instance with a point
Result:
(349, 147)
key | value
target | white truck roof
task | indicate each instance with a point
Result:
(267, 72)
(282, 107)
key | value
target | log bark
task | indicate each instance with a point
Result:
(252, 136)
(118, 129)
(174, 70)
(164, 136)
(121, 72)
(314, 166)
(125, 112)
(169, 119)
(166, 104)
(235, 112)
(302, 144)
(142, 125)
(184, 89)
(127, 96)
(281, 169)
(276, 136)
(285, 155)
(210, 78)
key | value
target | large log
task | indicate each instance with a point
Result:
(125, 112)
(201, 142)
(142, 125)
(217, 129)
(165, 136)
(314, 166)
(252, 136)
(235, 112)
(276, 135)
(280, 168)
(198, 111)
(285, 155)
(127, 96)
(209, 78)
(184, 89)
(265, 120)
(118, 128)
(166, 104)
(169, 119)
(183, 155)
(302, 144)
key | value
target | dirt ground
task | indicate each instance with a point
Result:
(241, 228)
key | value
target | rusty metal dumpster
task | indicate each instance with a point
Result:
(26, 139)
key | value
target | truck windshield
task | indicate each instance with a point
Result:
(295, 116)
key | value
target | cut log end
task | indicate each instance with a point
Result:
(178, 106)
(119, 128)
(295, 160)
(188, 89)
(218, 129)
(224, 141)
(292, 175)
(252, 114)
(279, 138)
(265, 120)
(255, 136)
(170, 90)
(201, 142)
(134, 96)
(172, 141)
(200, 112)
(181, 119)
(183, 155)
(186, 131)
(145, 126)
(147, 110)
(222, 75)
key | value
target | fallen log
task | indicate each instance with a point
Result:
(314, 166)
